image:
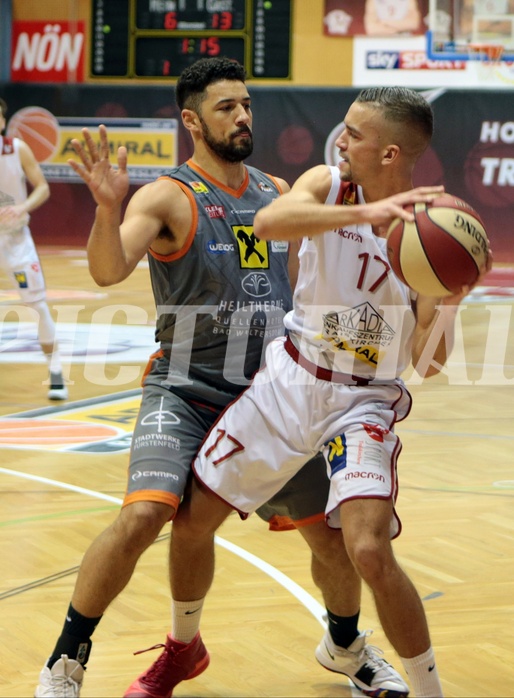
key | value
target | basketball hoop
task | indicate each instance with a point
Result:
(489, 55)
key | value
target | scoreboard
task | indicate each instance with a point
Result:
(159, 38)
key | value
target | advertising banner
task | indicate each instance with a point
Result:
(472, 151)
(47, 51)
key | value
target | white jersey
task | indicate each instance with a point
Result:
(352, 314)
(13, 186)
(18, 254)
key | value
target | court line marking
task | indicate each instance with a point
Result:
(310, 603)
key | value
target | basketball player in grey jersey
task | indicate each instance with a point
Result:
(220, 295)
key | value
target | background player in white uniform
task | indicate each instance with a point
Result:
(18, 255)
(183, 221)
(333, 385)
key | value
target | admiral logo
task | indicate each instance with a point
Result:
(198, 187)
(349, 235)
(219, 247)
(214, 211)
(263, 186)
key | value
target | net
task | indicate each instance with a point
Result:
(489, 55)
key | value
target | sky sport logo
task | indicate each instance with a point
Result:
(408, 60)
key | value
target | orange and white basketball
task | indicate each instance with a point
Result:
(38, 128)
(442, 250)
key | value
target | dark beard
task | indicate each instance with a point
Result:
(229, 151)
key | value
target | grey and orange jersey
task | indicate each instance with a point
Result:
(221, 298)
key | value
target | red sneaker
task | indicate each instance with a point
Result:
(178, 662)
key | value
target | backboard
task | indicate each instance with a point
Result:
(471, 30)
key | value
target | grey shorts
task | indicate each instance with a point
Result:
(302, 500)
(169, 431)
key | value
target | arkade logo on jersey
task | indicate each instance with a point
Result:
(360, 330)
(219, 247)
(362, 323)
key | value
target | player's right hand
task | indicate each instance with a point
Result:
(108, 185)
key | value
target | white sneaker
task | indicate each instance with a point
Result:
(363, 665)
(63, 680)
(58, 389)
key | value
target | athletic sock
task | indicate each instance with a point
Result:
(423, 675)
(185, 619)
(75, 638)
(343, 629)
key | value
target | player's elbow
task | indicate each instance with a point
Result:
(44, 192)
(104, 277)
(100, 279)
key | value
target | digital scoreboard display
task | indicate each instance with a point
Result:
(159, 38)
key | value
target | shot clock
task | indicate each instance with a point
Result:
(159, 38)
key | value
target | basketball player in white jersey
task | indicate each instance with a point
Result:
(386, 17)
(196, 227)
(18, 255)
(333, 384)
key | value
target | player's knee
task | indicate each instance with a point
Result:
(141, 522)
(187, 526)
(372, 559)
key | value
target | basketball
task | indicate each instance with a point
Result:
(38, 128)
(442, 250)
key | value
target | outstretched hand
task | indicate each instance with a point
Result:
(107, 184)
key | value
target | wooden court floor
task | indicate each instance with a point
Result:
(60, 486)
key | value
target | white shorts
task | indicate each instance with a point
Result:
(288, 415)
(19, 259)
